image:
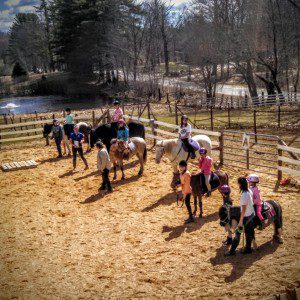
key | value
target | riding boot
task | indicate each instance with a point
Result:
(74, 164)
(86, 164)
(228, 241)
(192, 154)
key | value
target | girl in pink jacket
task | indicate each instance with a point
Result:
(205, 166)
(253, 180)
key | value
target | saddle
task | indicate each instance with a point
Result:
(267, 210)
(214, 182)
(193, 143)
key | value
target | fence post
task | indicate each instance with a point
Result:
(279, 172)
(255, 128)
(278, 117)
(211, 119)
(221, 147)
(176, 113)
(93, 118)
(228, 110)
(148, 110)
(152, 125)
(247, 159)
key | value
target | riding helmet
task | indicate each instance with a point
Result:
(121, 121)
(253, 178)
(116, 102)
(225, 189)
(202, 151)
(55, 120)
(184, 117)
(183, 163)
(99, 144)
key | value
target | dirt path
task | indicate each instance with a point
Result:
(61, 239)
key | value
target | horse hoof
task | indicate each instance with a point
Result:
(140, 173)
(200, 216)
(194, 213)
(115, 177)
(123, 178)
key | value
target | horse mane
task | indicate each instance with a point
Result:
(168, 144)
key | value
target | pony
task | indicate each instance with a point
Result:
(173, 148)
(108, 132)
(218, 178)
(271, 211)
(137, 146)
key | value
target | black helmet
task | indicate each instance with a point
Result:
(99, 144)
(184, 117)
(183, 163)
(116, 102)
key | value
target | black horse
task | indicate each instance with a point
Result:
(218, 178)
(107, 132)
(84, 128)
(271, 211)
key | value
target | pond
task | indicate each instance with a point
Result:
(27, 105)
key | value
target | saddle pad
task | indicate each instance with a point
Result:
(268, 210)
(132, 146)
(193, 143)
(214, 182)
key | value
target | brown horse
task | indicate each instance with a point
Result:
(137, 146)
(199, 188)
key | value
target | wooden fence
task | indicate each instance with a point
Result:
(263, 153)
(290, 163)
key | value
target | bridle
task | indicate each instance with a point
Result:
(227, 218)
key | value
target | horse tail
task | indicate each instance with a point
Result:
(145, 155)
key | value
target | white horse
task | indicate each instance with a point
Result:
(173, 149)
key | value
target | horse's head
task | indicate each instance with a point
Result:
(159, 151)
(93, 138)
(224, 214)
(102, 132)
(175, 180)
(47, 129)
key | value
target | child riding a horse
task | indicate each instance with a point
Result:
(185, 182)
(205, 163)
(123, 135)
(69, 123)
(185, 131)
(253, 180)
(118, 112)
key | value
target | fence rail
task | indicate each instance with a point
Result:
(227, 142)
(292, 161)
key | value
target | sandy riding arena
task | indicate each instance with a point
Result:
(61, 239)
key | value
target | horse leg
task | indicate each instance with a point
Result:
(200, 205)
(122, 169)
(195, 205)
(140, 157)
(88, 149)
(277, 233)
(115, 171)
